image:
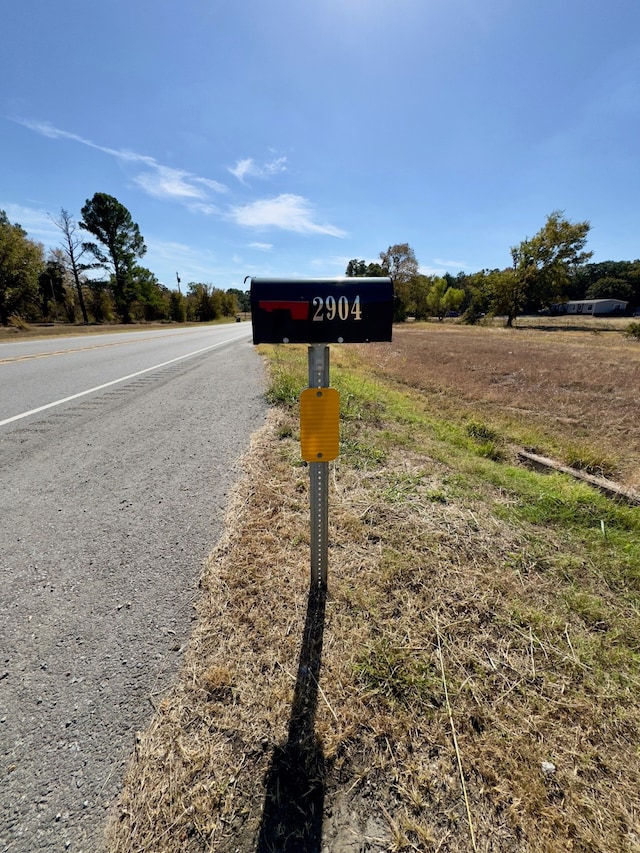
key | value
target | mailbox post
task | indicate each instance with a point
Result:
(319, 312)
(319, 477)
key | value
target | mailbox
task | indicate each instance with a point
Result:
(321, 310)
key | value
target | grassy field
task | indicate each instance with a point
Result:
(471, 679)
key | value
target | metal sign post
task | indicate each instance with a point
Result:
(319, 478)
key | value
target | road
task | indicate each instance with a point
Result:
(116, 455)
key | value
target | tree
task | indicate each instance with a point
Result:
(120, 244)
(360, 269)
(453, 299)
(400, 264)
(100, 300)
(543, 264)
(610, 288)
(419, 288)
(229, 302)
(152, 298)
(243, 298)
(177, 307)
(506, 291)
(435, 297)
(476, 295)
(51, 283)
(199, 304)
(356, 269)
(21, 261)
(73, 249)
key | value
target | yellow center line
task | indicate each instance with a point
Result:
(31, 356)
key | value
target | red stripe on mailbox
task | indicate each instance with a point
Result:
(298, 310)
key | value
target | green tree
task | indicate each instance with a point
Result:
(177, 307)
(119, 244)
(476, 295)
(435, 297)
(51, 282)
(229, 303)
(199, 304)
(152, 302)
(610, 288)
(356, 268)
(21, 261)
(361, 269)
(243, 298)
(100, 300)
(506, 292)
(419, 287)
(543, 265)
(453, 299)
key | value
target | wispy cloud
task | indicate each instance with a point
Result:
(437, 271)
(261, 247)
(248, 168)
(165, 182)
(159, 181)
(191, 264)
(450, 264)
(287, 212)
(35, 221)
(44, 128)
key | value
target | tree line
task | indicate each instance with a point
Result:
(94, 275)
(547, 269)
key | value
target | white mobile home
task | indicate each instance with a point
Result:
(594, 307)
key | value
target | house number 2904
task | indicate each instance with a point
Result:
(330, 308)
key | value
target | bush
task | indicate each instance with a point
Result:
(633, 331)
(18, 322)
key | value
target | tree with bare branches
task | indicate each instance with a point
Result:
(73, 250)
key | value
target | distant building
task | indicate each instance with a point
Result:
(592, 307)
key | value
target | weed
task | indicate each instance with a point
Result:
(633, 331)
(481, 432)
(361, 455)
(490, 450)
(398, 674)
(285, 432)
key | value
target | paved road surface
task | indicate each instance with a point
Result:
(109, 504)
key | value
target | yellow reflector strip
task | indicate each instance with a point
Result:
(319, 424)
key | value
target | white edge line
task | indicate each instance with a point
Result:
(117, 381)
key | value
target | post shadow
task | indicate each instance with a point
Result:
(295, 782)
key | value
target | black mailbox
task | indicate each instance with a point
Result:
(321, 310)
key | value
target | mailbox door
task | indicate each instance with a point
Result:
(314, 311)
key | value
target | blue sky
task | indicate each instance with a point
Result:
(284, 137)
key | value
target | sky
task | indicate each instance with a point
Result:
(286, 137)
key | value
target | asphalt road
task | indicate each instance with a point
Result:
(116, 455)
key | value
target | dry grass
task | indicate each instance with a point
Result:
(479, 678)
(36, 331)
(578, 391)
